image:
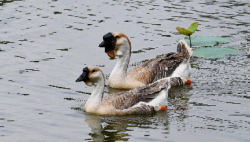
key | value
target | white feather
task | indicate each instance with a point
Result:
(183, 71)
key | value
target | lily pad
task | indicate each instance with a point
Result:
(215, 52)
(206, 40)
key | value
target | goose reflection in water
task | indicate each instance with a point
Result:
(118, 128)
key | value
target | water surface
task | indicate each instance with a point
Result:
(45, 44)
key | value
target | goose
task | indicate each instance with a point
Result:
(141, 100)
(174, 64)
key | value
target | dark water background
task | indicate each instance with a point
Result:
(45, 44)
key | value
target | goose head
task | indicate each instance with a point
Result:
(91, 76)
(115, 44)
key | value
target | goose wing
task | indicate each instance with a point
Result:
(163, 66)
(125, 100)
(156, 68)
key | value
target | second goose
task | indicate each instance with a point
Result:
(173, 64)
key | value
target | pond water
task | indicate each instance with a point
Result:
(45, 44)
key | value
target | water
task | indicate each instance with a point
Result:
(45, 44)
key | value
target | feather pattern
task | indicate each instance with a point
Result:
(141, 94)
(141, 100)
(173, 64)
(156, 68)
(136, 101)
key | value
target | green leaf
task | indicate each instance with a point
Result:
(184, 31)
(193, 27)
(206, 40)
(215, 52)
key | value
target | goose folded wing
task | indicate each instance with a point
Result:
(157, 68)
(147, 93)
(176, 81)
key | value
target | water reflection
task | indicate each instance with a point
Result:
(119, 128)
(116, 128)
(95, 123)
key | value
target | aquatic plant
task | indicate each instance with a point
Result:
(216, 52)
(206, 42)
(188, 32)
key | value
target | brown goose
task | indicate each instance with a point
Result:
(142, 100)
(174, 64)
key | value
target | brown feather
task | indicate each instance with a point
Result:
(142, 109)
(125, 100)
(176, 81)
(156, 68)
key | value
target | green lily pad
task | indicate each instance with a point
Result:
(206, 40)
(215, 52)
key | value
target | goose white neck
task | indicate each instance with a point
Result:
(97, 93)
(123, 53)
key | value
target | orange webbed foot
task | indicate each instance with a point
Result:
(188, 81)
(163, 108)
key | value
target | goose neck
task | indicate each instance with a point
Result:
(123, 60)
(97, 93)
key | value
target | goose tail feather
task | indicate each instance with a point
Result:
(184, 49)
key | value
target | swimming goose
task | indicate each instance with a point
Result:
(142, 100)
(174, 64)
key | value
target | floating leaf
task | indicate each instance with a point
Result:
(215, 52)
(206, 40)
(184, 31)
(193, 27)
